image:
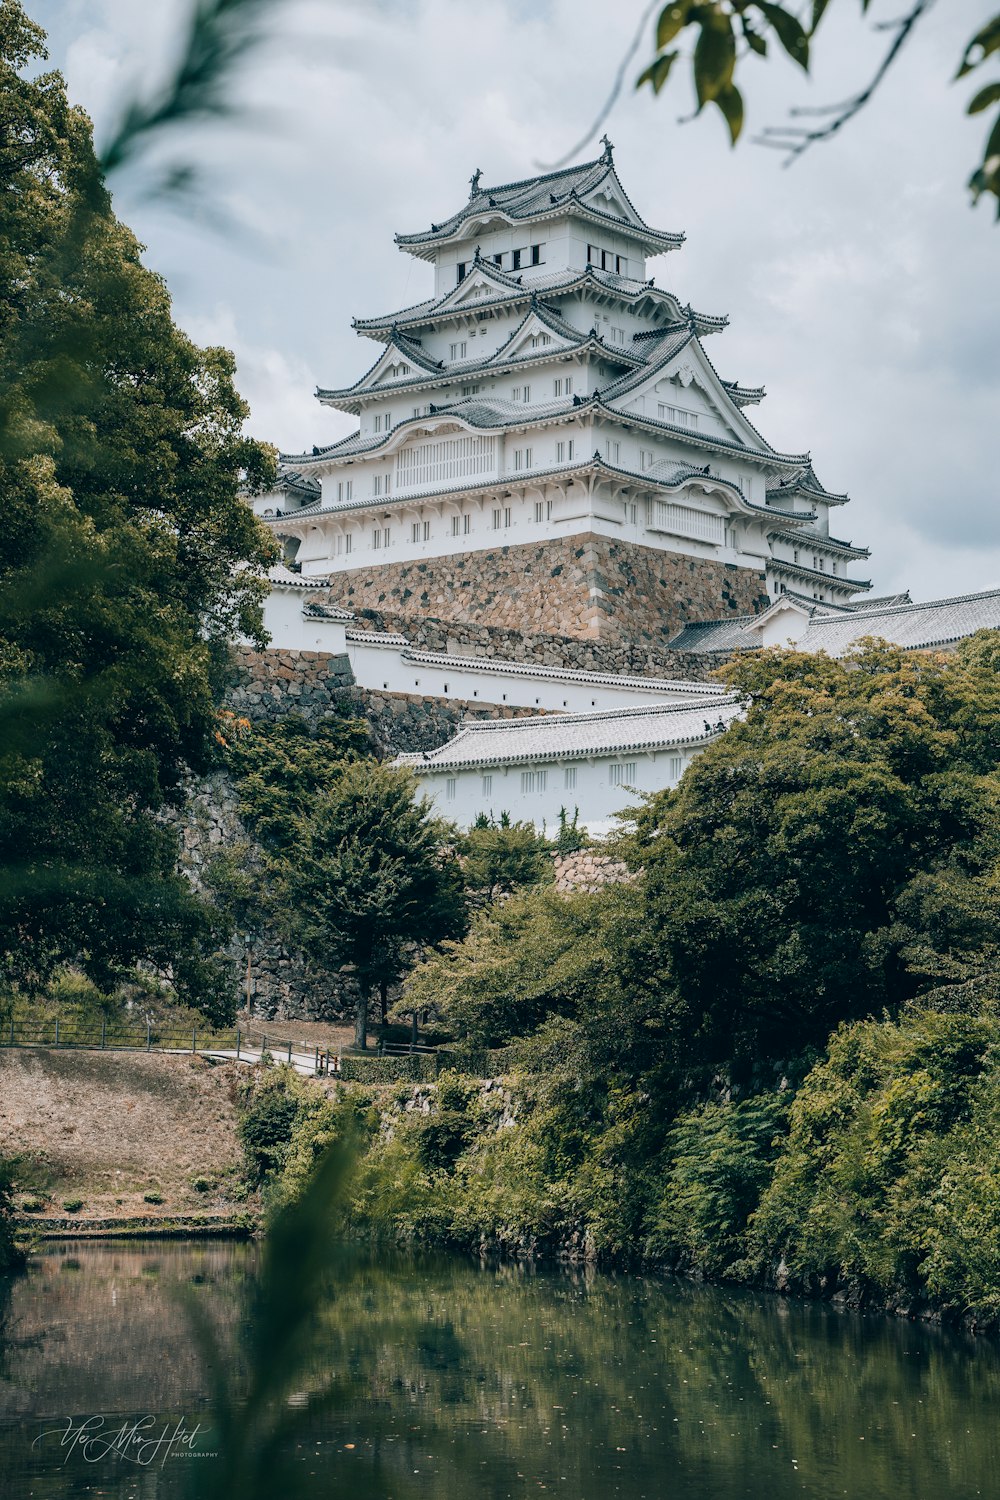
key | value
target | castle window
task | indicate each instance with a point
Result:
(461, 270)
(348, 542)
(539, 510)
(451, 787)
(466, 525)
(522, 458)
(456, 523)
(674, 764)
(569, 778)
(415, 531)
(459, 350)
(506, 515)
(834, 566)
(621, 265)
(527, 781)
(536, 255)
(427, 531)
(593, 255)
(795, 554)
(376, 539)
(515, 259)
(497, 520)
(633, 514)
(498, 259)
(607, 261)
(622, 773)
(645, 458)
(487, 786)
(612, 451)
(472, 390)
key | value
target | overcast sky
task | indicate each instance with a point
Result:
(861, 287)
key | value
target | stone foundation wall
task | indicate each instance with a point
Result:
(313, 684)
(637, 658)
(588, 870)
(584, 587)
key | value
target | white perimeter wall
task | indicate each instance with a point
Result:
(386, 669)
(462, 795)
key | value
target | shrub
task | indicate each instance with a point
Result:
(152, 1197)
(202, 1184)
(32, 1205)
(416, 1067)
(72, 1205)
(268, 1106)
(718, 1160)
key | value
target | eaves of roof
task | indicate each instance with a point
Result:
(845, 548)
(813, 575)
(625, 289)
(498, 666)
(460, 752)
(495, 363)
(503, 203)
(528, 478)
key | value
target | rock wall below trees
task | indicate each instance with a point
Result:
(588, 869)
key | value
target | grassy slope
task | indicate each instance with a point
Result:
(111, 1127)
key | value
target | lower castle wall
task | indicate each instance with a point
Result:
(584, 587)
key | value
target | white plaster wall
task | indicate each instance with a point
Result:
(384, 668)
(290, 630)
(596, 798)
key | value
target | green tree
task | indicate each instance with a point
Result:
(499, 857)
(129, 559)
(781, 873)
(373, 878)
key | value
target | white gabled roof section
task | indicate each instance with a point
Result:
(684, 368)
(551, 737)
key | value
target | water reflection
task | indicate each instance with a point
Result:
(466, 1383)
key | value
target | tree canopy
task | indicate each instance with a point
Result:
(129, 556)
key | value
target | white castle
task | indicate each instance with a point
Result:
(550, 388)
(545, 444)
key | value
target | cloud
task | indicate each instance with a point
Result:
(859, 284)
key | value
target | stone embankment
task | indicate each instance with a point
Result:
(589, 869)
(586, 587)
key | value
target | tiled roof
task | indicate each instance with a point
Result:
(556, 284)
(534, 197)
(283, 577)
(558, 736)
(882, 601)
(559, 674)
(939, 622)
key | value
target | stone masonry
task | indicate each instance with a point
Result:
(585, 587)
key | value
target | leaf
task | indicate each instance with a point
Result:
(789, 32)
(818, 11)
(672, 19)
(730, 102)
(983, 45)
(987, 96)
(714, 57)
(755, 42)
(658, 72)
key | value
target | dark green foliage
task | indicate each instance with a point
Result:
(444, 1135)
(497, 858)
(889, 1181)
(268, 1109)
(10, 1255)
(123, 566)
(281, 769)
(372, 878)
(718, 1159)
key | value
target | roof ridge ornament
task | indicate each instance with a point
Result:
(474, 182)
(608, 155)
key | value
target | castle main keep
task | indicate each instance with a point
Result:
(545, 444)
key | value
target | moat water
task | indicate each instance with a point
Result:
(458, 1382)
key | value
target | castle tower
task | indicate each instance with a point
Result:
(545, 445)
